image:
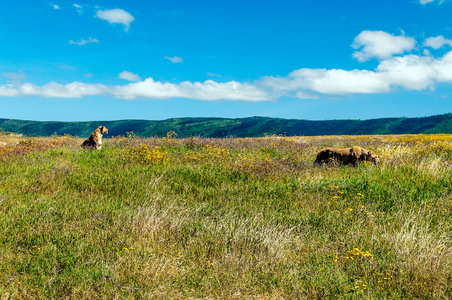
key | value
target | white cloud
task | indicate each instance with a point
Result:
(78, 7)
(380, 44)
(9, 90)
(15, 77)
(409, 72)
(210, 74)
(437, 42)
(323, 81)
(116, 16)
(208, 91)
(174, 60)
(146, 89)
(129, 76)
(83, 42)
(52, 90)
(55, 6)
(423, 2)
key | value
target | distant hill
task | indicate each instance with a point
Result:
(243, 127)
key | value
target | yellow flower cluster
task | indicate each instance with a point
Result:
(208, 154)
(5, 152)
(359, 196)
(356, 253)
(170, 136)
(437, 147)
(359, 284)
(215, 153)
(382, 277)
(147, 154)
(418, 138)
(36, 248)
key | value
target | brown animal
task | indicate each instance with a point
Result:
(95, 139)
(346, 156)
(366, 155)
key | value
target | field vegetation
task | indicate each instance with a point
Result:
(240, 127)
(234, 218)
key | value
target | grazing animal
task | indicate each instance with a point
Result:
(366, 155)
(346, 156)
(95, 139)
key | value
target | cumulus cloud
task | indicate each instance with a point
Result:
(409, 72)
(436, 42)
(55, 6)
(83, 42)
(146, 89)
(323, 81)
(52, 90)
(174, 59)
(129, 76)
(208, 90)
(412, 72)
(116, 16)
(381, 45)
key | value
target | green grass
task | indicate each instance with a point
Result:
(224, 218)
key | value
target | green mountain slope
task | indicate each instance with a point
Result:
(244, 127)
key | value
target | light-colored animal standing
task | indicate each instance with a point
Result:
(346, 156)
(95, 139)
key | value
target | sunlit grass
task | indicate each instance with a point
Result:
(225, 218)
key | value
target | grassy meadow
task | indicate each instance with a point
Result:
(232, 218)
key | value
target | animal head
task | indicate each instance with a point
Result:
(365, 155)
(102, 129)
(373, 157)
(370, 156)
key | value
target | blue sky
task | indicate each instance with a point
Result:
(315, 60)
